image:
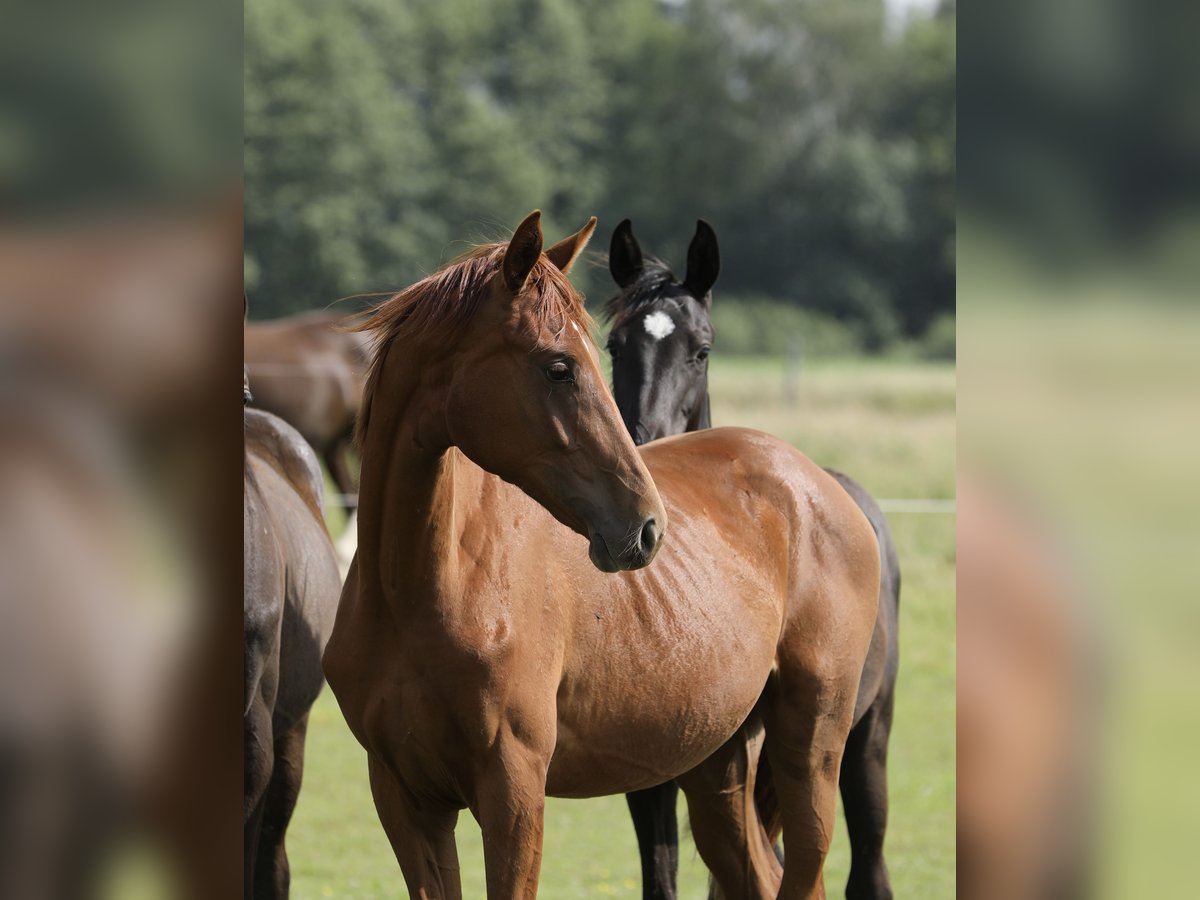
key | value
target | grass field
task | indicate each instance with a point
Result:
(890, 425)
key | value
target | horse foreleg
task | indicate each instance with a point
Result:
(865, 800)
(510, 806)
(657, 828)
(273, 876)
(422, 838)
(725, 822)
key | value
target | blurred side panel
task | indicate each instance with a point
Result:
(1079, 225)
(120, 283)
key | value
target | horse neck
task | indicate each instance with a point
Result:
(406, 521)
(702, 417)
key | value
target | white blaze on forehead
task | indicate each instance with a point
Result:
(658, 325)
(591, 347)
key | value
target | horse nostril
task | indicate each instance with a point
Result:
(649, 538)
(641, 435)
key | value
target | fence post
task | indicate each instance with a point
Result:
(791, 371)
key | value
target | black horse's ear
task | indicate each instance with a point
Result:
(624, 255)
(703, 261)
(523, 251)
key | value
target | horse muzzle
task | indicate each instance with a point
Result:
(635, 551)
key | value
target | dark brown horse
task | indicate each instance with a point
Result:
(311, 374)
(483, 663)
(660, 340)
(290, 595)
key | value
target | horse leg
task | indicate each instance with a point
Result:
(865, 798)
(422, 838)
(273, 876)
(808, 714)
(510, 807)
(257, 762)
(725, 822)
(338, 463)
(654, 821)
(347, 544)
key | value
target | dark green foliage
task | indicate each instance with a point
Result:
(381, 136)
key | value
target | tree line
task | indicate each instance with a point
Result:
(817, 137)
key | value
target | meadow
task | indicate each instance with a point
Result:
(888, 423)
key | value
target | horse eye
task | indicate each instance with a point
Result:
(559, 373)
(702, 354)
(614, 348)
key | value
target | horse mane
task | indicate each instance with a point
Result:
(439, 306)
(655, 275)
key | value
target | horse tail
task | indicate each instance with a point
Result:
(766, 804)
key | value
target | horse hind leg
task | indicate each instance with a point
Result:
(725, 822)
(808, 717)
(657, 828)
(423, 841)
(257, 764)
(346, 545)
(273, 874)
(865, 799)
(337, 460)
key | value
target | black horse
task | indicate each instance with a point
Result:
(661, 335)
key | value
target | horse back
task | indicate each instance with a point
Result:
(308, 372)
(275, 443)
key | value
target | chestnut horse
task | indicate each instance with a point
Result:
(290, 595)
(311, 374)
(483, 664)
(660, 339)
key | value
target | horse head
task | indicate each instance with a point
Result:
(661, 335)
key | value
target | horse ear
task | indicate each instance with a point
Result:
(703, 261)
(523, 251)
(624, 255)
(564, 252)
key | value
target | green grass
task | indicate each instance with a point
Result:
(890, 425)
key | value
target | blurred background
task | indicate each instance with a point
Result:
(120, 435)
(382, 139)
(1078, 432)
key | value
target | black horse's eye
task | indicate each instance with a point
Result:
(702, 353)
(614, 348)
(559, 373)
